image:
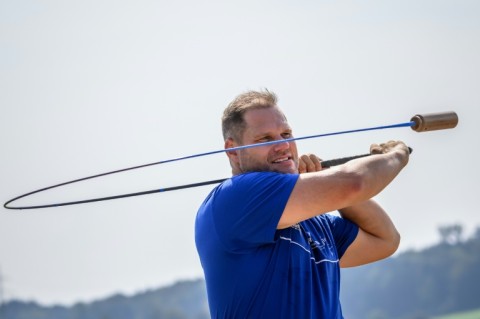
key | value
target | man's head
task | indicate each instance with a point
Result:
(254, 117)
(233, 123)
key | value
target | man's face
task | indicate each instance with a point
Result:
(264, 125)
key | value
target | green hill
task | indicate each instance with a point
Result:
(183, 300)
(463, 315)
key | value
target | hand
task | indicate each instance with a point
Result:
(309, 163)
(389, 146)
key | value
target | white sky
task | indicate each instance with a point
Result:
(93, 86)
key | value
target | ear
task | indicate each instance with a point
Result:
(230, 143)
(232, 155)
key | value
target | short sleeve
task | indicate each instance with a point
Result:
(246, 209)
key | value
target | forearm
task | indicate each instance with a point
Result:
(375, 172)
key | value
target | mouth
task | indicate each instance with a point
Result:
(282, 160)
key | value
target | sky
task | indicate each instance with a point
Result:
(89, 86)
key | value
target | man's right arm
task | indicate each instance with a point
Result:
(342, 186)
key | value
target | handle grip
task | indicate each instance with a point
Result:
(434, 121)
(343, 160)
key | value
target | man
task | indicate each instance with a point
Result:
(266, 243)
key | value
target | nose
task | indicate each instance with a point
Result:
(281, 145)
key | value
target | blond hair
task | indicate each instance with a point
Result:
(233, 122)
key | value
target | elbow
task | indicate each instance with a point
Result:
(397, 241)
(393, 244)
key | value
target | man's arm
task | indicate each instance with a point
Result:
(347, 185)
(377, 236)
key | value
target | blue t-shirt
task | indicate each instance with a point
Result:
(253, 270)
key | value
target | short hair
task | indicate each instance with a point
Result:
(233, 122)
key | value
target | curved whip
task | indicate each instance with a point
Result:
(419, 123)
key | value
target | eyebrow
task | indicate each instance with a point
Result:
(269, 133)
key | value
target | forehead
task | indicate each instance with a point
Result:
(265, 120)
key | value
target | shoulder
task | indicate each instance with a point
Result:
(257, 182)
(253, 187)
(262, 176)
(255, 179)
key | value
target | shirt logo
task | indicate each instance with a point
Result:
(320, 250)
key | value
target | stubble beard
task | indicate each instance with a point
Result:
(248, 165)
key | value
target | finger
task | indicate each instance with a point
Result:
(318, 163)
(305, 164)
(302, 167)
(376, 149)
(309, 163)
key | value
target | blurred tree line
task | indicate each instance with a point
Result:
(441, 279)
(183, 300)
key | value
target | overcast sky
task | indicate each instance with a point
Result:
(93, 86)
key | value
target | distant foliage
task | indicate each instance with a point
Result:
(184, 300)
(451, 234)
(440, 280)
(416, 285)
(463, 315)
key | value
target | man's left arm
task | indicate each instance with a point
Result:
(377, 236)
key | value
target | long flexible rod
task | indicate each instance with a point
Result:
(324, 164)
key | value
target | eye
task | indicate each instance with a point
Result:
(264, 139)
(287, 135)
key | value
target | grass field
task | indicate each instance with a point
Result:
(462, 315)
